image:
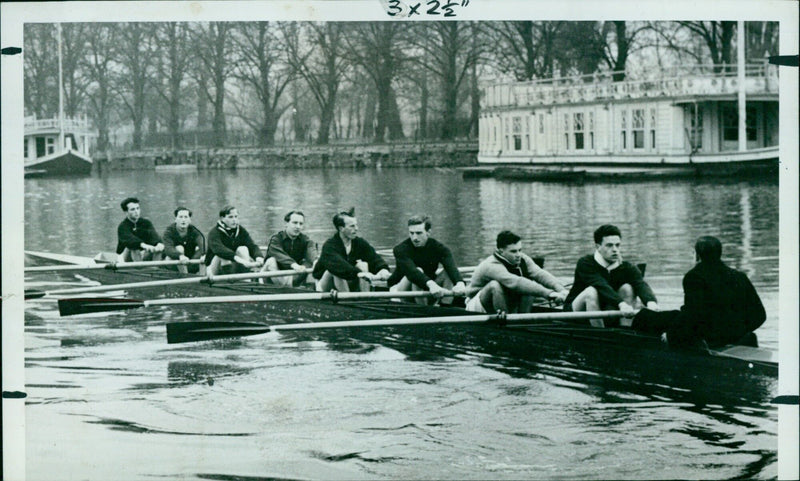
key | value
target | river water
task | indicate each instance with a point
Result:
(109, 399)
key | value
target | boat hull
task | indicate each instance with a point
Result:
(59, 164)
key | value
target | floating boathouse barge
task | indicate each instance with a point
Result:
(680, 121)
(57, 146)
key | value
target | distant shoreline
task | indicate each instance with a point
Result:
(428, 154)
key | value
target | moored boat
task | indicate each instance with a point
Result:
(728, 358)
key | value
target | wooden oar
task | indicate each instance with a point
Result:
(82, 305)
(35, 294)
(178, 332)
(111, 265)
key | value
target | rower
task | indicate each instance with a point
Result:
(603, 281)
(423, 263)
(291, 249)
(347, 262)
(137, 239)
(720, 305)
(230, 247)
(183, 241)
(510, 281)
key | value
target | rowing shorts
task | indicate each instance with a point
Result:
(474, 305)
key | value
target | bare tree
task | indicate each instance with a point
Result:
(172, 68)
(717, 37)
(319, 59)
(214, 50)
(378, 48)
(41, 69)
(449, 57)
(136, 56)
(262, 66)
(99, 62)
(73, 39)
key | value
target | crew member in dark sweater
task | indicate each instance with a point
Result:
(230, 247)
(183, 241)
(418, 260)
(720, 305)
(603, 281)
(348, 262)
(291, 249)
(137, 239)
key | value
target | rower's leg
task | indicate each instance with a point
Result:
(588, 300)
(404, 286)
(244, 253)
(526, 303)
(493, 298)
(329, 281)
(214, 267)
(363, 285)
(625, 291)
(181, 268)
(444, 280)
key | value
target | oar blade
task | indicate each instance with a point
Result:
(34, 294)
(179, 332)
(86, 305)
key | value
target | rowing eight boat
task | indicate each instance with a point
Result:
(739, 357)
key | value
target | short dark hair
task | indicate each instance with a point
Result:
(226, 210)
(708, 248)
(506, 238)
(420, 219)
(338, 219)
(180, 208)
(289, 215)
(128, 200)
(605, 230)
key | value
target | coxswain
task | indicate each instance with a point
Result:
(291, 249)
(183, 241)
(347, 262)
(720, 305)
(137, 239)
(510, 281)
(425, 264)
(230, 247)
(603, 281)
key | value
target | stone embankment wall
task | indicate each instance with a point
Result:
(450, 154)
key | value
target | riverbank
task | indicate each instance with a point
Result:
(429, 154)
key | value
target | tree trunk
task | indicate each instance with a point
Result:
(623, 47)
(395, 124)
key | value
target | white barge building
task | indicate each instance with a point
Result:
(58, 146)
(680, 121)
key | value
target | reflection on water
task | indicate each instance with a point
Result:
(108, 395)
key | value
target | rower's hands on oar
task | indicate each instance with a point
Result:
(460, 289)
(557, 296)
(298, 267)
(436, 290)
(627, 309)
(653, 306)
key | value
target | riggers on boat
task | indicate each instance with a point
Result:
(221, 320)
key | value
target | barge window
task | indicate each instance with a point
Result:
(652, 128)
(51, 145)
(591, 130)
(638, 128)
(517, 129)
(577, 127)
(730, 123)
(541, 123)
(750, 123)
(25, 149)
(624, 124)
